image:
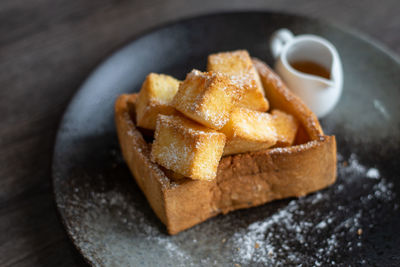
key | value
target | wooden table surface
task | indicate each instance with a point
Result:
(48, 47)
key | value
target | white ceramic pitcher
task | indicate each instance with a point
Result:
(320, 94)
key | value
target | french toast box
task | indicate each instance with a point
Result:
(243, 180)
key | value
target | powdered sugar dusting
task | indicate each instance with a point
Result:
(239, 66)
(178, 142)
(207, 97)
(316, 230)
(279, 236)
(130, 219)
(373, 173)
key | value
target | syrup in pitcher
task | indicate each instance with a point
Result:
(312, 68)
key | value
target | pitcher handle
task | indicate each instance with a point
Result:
(278, 41)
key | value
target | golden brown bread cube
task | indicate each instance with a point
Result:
(239, 66)
(207, 98)
(248, 130)
(155, 98)
(286, 127)
(187, 147)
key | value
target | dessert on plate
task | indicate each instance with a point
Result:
(227, 138)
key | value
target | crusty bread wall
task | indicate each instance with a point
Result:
(136, 153)
(243, 180)
(251, 179)
(190, 203)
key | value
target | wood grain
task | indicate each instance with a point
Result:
(48, 47)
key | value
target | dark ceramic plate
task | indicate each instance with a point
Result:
(355, 221)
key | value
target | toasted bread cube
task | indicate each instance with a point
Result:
(239, 66)
(207, 98)
(187, 147)
(248, 130)
(155, 98)
(286, 127)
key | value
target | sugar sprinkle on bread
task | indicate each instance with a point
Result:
(155, 98)
(249, 130)
(187, 147)
(207, 97)
(286, 127)
(238, 65)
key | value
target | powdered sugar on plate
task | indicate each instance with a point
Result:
(276, 239)
(324, 228)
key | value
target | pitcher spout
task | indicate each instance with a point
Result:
(325, 82)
